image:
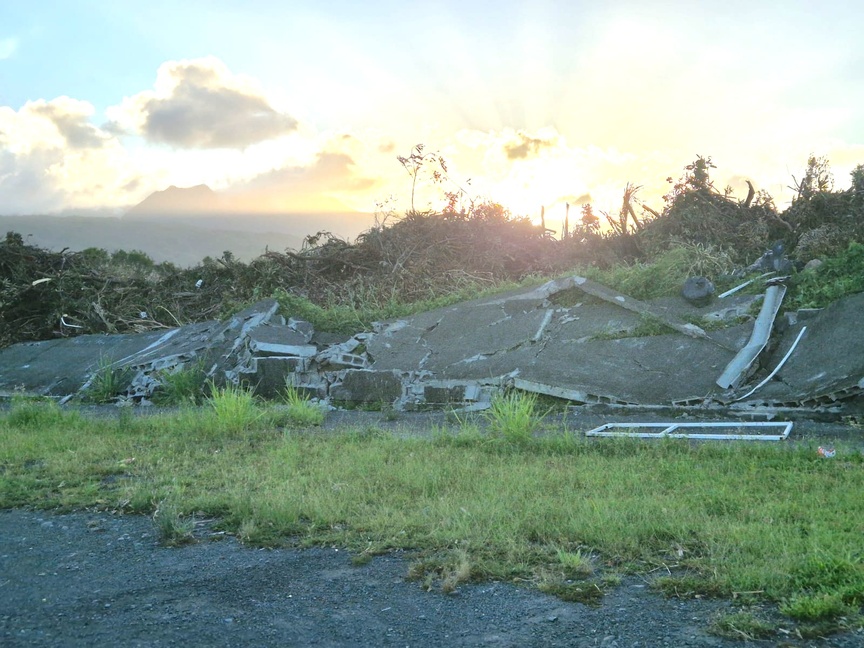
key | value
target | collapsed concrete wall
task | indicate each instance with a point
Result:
(569, 338)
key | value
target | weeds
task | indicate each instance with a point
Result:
(301, 411)
(742, 625)
(575, 563)
(513, 417)
(107, 382)
(183, 387)
(173, 529)
(234, 408)
(837, 277)
(27, 412)
(587, 592)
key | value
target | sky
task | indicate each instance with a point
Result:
(300, 105)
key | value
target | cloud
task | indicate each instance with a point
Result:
(317, 187)
(71, 118)
(8, 47)
(526, 146)
(23, 184)
(200, 104)
(52, 158)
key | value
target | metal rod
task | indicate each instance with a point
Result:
(732, 291)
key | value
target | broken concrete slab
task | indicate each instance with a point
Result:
(64, 367)
(556, 350)
(279, 340)
(559, 339)
(826, 367)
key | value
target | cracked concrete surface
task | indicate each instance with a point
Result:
(569, 338)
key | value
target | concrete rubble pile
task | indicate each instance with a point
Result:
(570, 338)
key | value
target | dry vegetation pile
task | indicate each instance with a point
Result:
(423, 256)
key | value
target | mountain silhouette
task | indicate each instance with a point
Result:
(176, 201)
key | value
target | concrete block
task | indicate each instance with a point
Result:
(366, 386)
(280, 341)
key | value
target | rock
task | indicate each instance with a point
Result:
(812, 265)
(698, 291)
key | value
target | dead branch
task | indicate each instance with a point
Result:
(750, 193)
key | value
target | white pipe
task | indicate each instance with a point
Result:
(758, 338)
(732, 291)
(777, 368)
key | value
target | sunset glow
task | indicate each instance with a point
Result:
(305, 106)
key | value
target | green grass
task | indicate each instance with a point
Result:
(837, 277)
(183, 387)
(233, 409)
(666, 274)
(301, 412)
(106, 382)
(721, 519)
(513, 417)
(174, 530)
(745, 626)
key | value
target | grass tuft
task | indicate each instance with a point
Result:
(301, 411)
(183, 387)
(742, 626)
(235, 409)
(174, 530)
(27, 412)
(586, 592)
(107, 382)
(513, 417)
(576, 564)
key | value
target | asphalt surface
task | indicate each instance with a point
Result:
(95, 579)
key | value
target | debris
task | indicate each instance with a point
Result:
(598, 290)
(732, 291)
(535, 340)
(826, 453)
(734, 371)
(778, 367)
(774, 259)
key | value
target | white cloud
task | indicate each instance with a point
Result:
(201, 104)
(52, 158)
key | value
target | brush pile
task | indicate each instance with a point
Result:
(424, 256)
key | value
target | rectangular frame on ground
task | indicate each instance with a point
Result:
(668, 430)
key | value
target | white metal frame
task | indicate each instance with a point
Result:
(668, 430)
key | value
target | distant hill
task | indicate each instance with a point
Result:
(202, 207)
(164, 240)
(175, 201)
(184, 225)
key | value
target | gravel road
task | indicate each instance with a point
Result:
(95, 579)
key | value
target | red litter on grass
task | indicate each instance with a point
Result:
(827, 453)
